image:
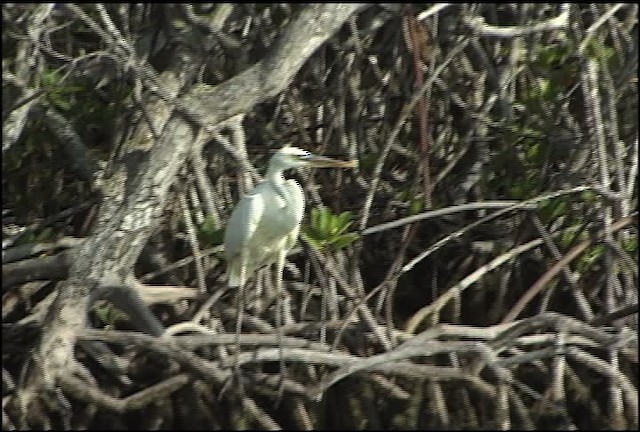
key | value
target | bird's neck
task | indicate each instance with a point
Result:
(275, 175)
(276, 178)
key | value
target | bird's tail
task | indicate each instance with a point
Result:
(234, 273)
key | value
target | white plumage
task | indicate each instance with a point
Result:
(265, 223)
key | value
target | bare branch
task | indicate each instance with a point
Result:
(560, 22)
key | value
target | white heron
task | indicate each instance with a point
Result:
(265, 224)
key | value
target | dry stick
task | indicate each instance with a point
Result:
(592, 30)
(406, 351)
(478, 25)
(633, 171)
(417, 36)
(432, 11)
(240, 304)
(557, 267)
(591, 85)
(408, 109)
(193, 242)
(180, 263)
(423, 168)
(590, 78)
(558, 367)
(406, 112)
(204, 186)
(249, 405)
(407, 237)
(615, 315)
(364, 311)
(594, 337)
(444, 211)
(592, 362)
(324, 295)
(208, 371)
(301, 414)
(616, 143)
(520, 205)
(27, 250)
(423, 313)
(239, 153)
(465, 283)
(579, 297)
(386, 365)
(390, 280)
(80, 390)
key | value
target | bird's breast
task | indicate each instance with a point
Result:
(283, 211)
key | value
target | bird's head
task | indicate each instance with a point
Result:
(294, 157)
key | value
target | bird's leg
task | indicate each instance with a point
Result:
(279, 300)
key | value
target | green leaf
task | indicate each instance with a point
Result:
(208, 226)
(108, 314)
(209, 234)
(342, 223)
(533, 152)
(327, 229)
(315, 218)
(568, 237)
(590, 257)
(325, 221)
(588, 196)
(344, 240)
(344, 219)
(416, 205)
(316, 244)
(630, 245)
(559, 210)
(62, 104)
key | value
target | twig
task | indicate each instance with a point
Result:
(465, 283)
(478, 25)
(557, 267)
(444, 211)
(521, 204)
(136, 401)
(404, 115)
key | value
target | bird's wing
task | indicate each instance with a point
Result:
(297, 204)
(243, 223)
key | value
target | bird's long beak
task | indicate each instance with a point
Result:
(327, 162)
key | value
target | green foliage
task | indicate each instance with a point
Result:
(630, 245)
(516, 166)
(109, 315)
(558, 68)
(416, 205)
(209, 234)
(59, 93)
(551, 209)
(571, 236)
(597, 50)
(590, 258)
(328, 230)
(588, 197)
(414, 201)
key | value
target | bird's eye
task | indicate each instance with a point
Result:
(305, 155)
